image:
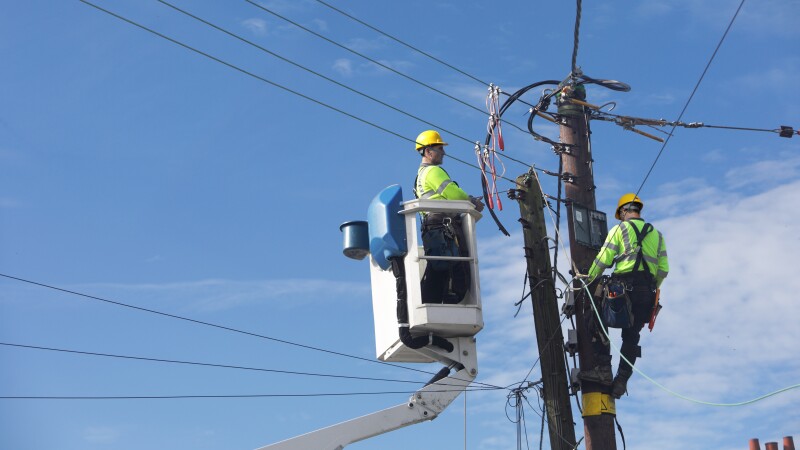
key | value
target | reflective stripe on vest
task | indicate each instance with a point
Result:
(419, 184)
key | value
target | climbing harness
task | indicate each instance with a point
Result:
(440, 240)
(617, 308)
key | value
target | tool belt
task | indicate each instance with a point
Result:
(616, 308)
(435, 220)
(640, 280)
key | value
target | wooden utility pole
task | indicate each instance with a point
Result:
(545, 314)
(579, 188)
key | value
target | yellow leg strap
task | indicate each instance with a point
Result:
(596, 403)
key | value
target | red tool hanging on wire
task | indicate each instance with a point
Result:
(488, 158)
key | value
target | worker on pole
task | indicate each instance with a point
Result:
(442, 235)
(639, 255)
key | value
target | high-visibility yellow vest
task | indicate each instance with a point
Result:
(621, 249)
(435, 184)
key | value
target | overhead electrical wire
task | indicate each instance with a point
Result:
(331, 80)
(372, 60)
(399, 41)
(181, 397)
(203, 364)
(773, 130)
(222, 327)
(691, 96)
(265, 80)
(406, 44)
(631, 121)
(518, 395)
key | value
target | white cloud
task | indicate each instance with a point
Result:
(256, 26)
(684, 196)
(770, 17)
(320, 24)
(344, 66)
(724, 335)
(362, 45)
(468, 92)
(764, 173)
(782, 73)
(713, 156)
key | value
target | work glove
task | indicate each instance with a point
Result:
(476, 201)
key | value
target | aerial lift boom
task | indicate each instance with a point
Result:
(425, 404)
(390, 237)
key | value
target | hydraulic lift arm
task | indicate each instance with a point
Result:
(425, 404)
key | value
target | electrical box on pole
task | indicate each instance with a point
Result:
(591, 227)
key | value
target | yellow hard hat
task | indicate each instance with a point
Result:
(630, 197)
(428, 138)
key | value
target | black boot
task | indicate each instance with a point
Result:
(620, 385)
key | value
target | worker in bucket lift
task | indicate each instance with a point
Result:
(442, 235)
(639, 255)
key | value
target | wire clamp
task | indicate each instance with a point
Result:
(567, 177)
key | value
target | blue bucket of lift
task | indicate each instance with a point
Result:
(387, 227)
(356, 239)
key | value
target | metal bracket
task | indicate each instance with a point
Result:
(574, 380)
(560, 148)
(571, 346)
(568, 308)
(567, 177)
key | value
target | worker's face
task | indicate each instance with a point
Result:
(436, 154)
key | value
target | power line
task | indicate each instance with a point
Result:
(180, 397)
(344, 47)
(402, 42)
(265, 80)
(696, 86)
(374, 61)
(331, 80)
(630, 121)
(195, 363)
(222, 327)
(422, 52)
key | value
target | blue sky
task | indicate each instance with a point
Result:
(135, 170)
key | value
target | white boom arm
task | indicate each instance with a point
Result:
(425, 404)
